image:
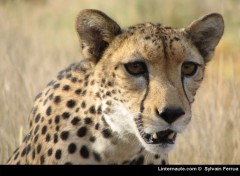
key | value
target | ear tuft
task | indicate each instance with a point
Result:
(96, 31)
(205, 33)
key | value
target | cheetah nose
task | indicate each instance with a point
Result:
(170, 114)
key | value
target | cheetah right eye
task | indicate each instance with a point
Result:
(189, 68)
(136, 68)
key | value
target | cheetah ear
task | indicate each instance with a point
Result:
(96, 31)
(205, 34)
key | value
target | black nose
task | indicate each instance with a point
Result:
(170, 114)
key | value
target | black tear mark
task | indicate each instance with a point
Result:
(182, 79)
(145, 95)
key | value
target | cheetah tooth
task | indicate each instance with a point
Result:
(171, 136)
(154, 136)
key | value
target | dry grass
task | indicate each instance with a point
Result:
(38, 40)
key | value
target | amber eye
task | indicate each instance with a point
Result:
(189, 68)
(136, 68)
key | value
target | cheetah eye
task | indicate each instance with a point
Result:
(189, 68)
(136, 68)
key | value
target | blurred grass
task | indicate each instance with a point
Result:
(37, 39)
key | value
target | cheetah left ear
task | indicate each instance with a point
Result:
(205, 34)
(96, 31)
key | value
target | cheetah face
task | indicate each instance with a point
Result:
(157, 86)
(154, 72)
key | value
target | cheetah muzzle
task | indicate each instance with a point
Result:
(128, 98)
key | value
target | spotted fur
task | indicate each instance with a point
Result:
(97, 112)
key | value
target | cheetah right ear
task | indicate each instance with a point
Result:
(96, 31)
(205, 34)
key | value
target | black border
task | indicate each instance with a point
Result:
(115, 170)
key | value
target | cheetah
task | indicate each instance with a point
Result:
(129, 97)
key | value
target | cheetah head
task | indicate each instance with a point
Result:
(148, 74)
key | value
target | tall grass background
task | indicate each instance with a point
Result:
(38, 39)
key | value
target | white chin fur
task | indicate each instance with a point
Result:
(120, 119)
(160, 149)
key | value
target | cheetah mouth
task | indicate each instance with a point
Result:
(161, 137)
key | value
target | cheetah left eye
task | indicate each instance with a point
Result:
(136, 68)
(189, 68)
